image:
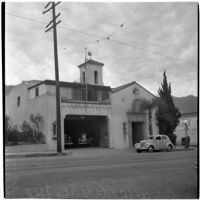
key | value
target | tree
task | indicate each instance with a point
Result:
(142, 104)
(168, 114)
(36, 121)
(149, 105)
(7, 128)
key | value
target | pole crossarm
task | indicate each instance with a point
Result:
(53, 26)
(53, 6)
(53, 20)
(47, 5)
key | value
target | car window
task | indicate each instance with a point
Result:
(151, 137)
(158, 138)
(164, 137)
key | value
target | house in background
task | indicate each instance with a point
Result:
(192, 121)
(106, 114)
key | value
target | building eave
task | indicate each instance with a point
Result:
(91, 62)
(71, 85)
(117, 89)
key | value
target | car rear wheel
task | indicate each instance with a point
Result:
(169, 147)
(151, 149)
(138, 150)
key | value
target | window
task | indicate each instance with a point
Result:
(83, 77)
(105, 95)
(95, 77)
(124, 127)
(36, 91)
(77, 94)
(158, 138)
(18, 101)
(54, 130)
(92, 95)
(164, 137)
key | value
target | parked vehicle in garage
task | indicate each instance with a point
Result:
(153, 143)
(68, 141)
(84, 140)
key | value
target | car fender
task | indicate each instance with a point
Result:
(149, 144)
(169, 143)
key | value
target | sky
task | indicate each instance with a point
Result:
(135, 41)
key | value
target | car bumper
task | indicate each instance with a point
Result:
(138, 147)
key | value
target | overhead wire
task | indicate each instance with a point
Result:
(122, 25)
(148, 51)
(108, 39)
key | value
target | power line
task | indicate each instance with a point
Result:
(69, 29)
(122, 25)
(26, 18)
(108, 39)
(148, 51)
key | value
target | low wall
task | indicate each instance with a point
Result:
(26, 148)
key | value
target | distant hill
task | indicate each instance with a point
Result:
(186, 104)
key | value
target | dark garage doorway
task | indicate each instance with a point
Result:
(86, 131)
(137, 132)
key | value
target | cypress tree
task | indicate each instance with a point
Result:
(168, 114)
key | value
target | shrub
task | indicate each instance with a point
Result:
(27, 133)
(7, 129)
(38, 137)
(13, 135)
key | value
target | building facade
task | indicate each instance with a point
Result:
(105, 114)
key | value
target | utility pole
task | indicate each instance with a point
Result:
(53, 24)
(86, 92)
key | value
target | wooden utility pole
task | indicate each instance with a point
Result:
(86, 92)
(54, 24)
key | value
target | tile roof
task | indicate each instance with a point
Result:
(92, 62)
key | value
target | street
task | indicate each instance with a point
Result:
(104, 173)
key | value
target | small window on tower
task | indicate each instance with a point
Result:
(18, 101)
(95, 77)
(83, 77)
(36, 91)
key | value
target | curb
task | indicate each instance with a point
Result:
(36, 155)
(68, 153)
(184, 149)
(176, 149)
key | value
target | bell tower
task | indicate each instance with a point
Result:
(91, 72)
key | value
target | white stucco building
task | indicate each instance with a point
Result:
(106, 113)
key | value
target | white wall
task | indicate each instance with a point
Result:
(44, 105)
(16, 113)
(41, 90)
(121, 102)
(91, 68)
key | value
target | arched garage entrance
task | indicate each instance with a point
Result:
(86, 130)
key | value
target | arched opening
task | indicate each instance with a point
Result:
(95, 77)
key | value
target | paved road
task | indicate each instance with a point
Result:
(104, 173)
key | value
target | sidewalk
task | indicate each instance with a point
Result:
(73, 151)
(182, 148)
(35, 154)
